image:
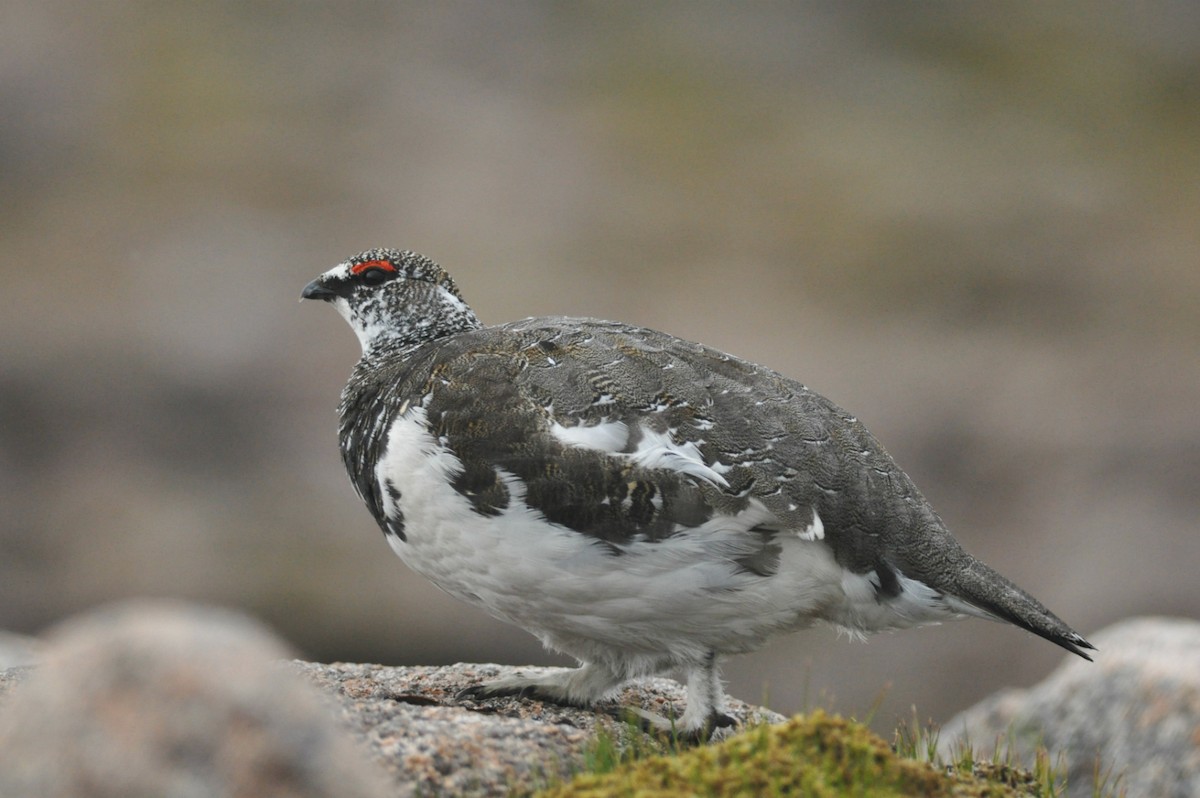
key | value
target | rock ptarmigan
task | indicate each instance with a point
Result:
(640, 502)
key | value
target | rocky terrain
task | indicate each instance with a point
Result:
(172, 699)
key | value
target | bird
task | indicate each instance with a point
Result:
(645, 504)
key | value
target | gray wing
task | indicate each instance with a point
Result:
(621, 432)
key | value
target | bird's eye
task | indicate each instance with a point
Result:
(374, 276)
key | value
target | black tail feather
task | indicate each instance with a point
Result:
(989, 591)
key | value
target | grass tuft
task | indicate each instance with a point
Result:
(817, 754)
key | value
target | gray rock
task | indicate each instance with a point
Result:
(1136, 710)
(10, 677)
(147, 700)
(166, 700)
(435, 743)
(17, 650)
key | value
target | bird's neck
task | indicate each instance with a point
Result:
(384, 331)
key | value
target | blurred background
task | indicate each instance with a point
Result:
(977, 227)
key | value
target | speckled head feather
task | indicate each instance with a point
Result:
(393, 299)
(407, 264)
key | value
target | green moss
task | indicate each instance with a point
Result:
(815, 755)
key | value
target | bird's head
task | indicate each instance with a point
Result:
(393, 298)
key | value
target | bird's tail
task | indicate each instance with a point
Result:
(995, 597)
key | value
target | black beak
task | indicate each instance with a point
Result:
(315, 290)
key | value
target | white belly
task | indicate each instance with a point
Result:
(671, 600)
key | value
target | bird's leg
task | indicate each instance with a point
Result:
(705, 700)
(703, 715)
(575, 687)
